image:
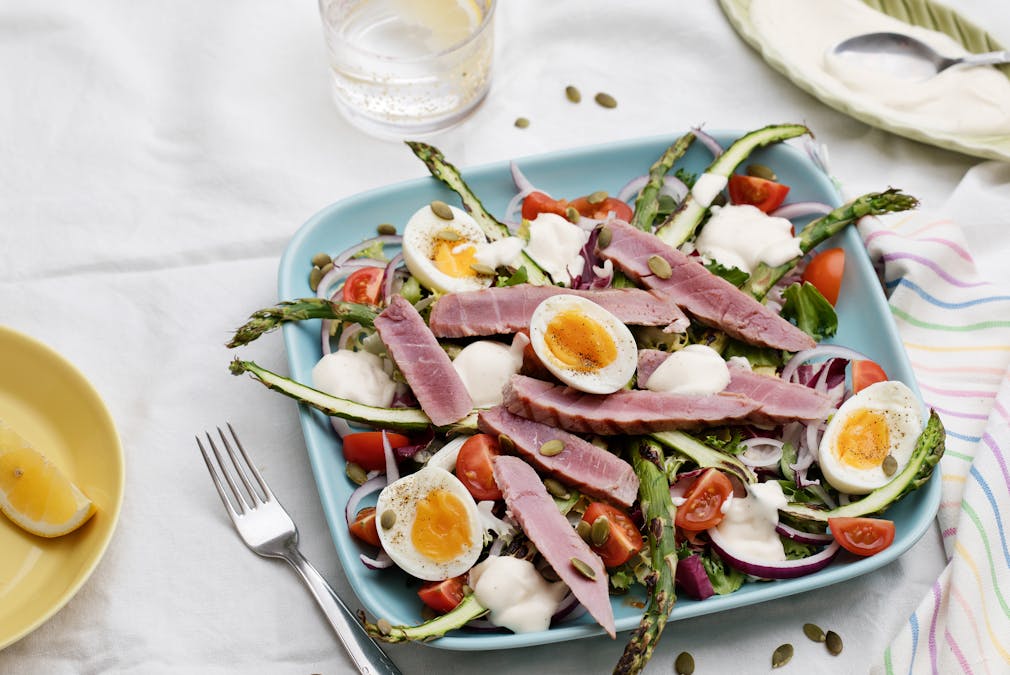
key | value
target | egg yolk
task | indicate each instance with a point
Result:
(441, 530)
(452, 262)
(579, 342)
(864, 440)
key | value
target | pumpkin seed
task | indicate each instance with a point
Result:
(604, 238)
(506, 444)
(584, 530)
(315, 276)
(321, 259)
(833, 641)
(660, 267)
(384, 626)
(573, 94)
(572, 214)
(583, 568)
(781, 655)
(327, 268)
(761, 171)
(441, 209)
(813, 631)
(522, 122)
(386, 228)
(889, 465)
(356, 473)
(387, 519)
(597, 197)
(684, 665)
(551, 448)
(600, 531)
(606, 100)
(481, 268)
(449, 235)
(556, 489)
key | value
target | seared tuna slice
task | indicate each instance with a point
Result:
(530, 504)
(591, 469)
(628, 411)
(507, 309)
(424, 364)
(708, 298)
(779, 401)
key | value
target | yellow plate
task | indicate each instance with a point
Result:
(54, 407)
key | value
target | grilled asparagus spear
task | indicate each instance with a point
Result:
(647, 203)
(265, 320)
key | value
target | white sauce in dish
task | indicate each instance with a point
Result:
(974, 101)
(707, 187)
(695, 370)
(742, 236)
(485, 367)
(748, 527)
(502, 253)
(518, 597)
(355, 376)
(555, 244)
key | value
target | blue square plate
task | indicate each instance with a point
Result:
(865, 325)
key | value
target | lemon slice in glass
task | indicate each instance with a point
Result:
(34, 493)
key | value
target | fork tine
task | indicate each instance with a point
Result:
(252, 466)
(243, 505)
(214, 475)
(240, 469)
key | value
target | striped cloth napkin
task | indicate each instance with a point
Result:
(956, 329)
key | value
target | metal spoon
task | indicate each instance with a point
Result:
(914, 58)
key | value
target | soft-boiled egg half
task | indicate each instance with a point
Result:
(441, 253)
(582, 344)
(433, 528)
(882, 420)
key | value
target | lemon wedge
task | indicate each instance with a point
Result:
(34, 493)
(450, 21)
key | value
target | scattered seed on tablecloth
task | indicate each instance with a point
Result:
(522, 122)
(781, 655)
(573, 94)
(813, 631)
(684, 665)
(833, 641)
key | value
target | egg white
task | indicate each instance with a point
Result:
(902, 412)
(401, 497)
(603, 380)
(419, 241)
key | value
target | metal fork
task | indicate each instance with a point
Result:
(268, 530)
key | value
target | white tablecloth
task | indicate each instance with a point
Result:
(156, 158)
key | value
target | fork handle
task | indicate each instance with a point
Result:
(365, 653)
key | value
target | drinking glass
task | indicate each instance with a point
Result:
(403, 68)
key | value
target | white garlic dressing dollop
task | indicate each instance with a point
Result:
(742, 236)
(748, 526)
(695, 369)
(359, 376)
(518, 597)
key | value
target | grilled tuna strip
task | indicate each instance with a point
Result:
(628, 411)
(778, 401)
(530, 504)
(708, 298)
(424, 364)
(507, 309)
(593, 470)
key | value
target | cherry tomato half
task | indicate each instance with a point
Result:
(862, 536)
(624, 539)
(825, 271)
(600, 210)
(363, 526)
(364, 286)
(365, 448)
(442, 596)
(865, 373)
(475, 467)
(536, 203)
(702, 507)
(765, 194)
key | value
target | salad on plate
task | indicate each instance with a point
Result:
(590, 394)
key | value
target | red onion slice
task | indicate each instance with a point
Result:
(822, 351)
(800, 209)
(764, 569)
(761, 452)
(340, 426)
(362, 491)
(392, 470)
(803, 537)
(672, 186)
(388, 276)
(709, 142)
(630, 191)
(522, 183)
(380, 562)
(347, 254)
